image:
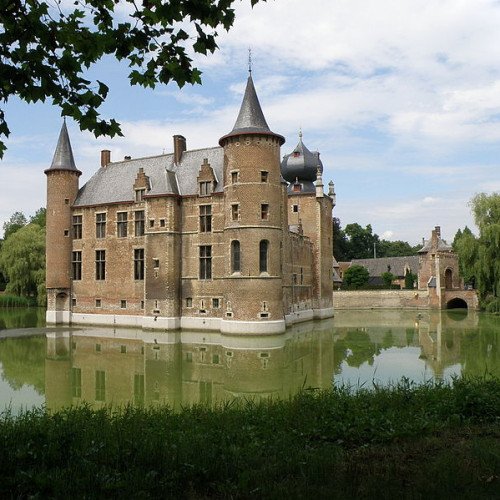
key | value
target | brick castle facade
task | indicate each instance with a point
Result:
(226, 238)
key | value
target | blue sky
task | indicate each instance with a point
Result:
(401, 99)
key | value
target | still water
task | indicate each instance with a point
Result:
(58, 367)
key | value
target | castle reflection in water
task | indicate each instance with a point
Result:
(106, 366)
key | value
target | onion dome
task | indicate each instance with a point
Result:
(251, 118)
(63, 155)
(301, 167)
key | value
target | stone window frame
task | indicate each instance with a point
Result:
(100, 225)
(264, 211)
(264, 256)
(235, 212)
(235, 256)
(100, 265)
(235, 176)
(264, 176)
(205, 188)
(139, 266)
(76, 265)
(77, 226)
(139, 194)
(139, 221)
(121, 224)
(205, 212)
(100, 385)
(205, 262)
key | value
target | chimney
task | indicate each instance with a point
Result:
(105, 157)
(179, 148)
(438, 231)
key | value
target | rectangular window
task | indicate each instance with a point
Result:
(295, 208)
(139, 195)
(156, 263)
(205, 188)
(100, 264)
(139, 264)
(162, 222)
(264, 176)
(264, 211)
(189, 302)
(100, 225)
(151, 223)
(205, 218)
(76, 382)
(100, 385)
(76, 265)
(215, 303)
(235, 256)
(235, 211)
(121, 224)
(139, 222)
(77, 227)
(205, 262)
(123, 304)
(98, 303)
(234, 177)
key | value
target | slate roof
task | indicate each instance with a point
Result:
(442, 246)
(114, 182)
(251, 118)
(376, 267)
(63, 155)
(301, 163)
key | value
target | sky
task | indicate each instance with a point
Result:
(400, 97)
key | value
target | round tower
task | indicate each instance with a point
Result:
(254, 221)
(62, 189)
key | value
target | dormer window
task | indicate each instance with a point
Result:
(297, 188)
(205, 188)
(296, 154)
(139, 195)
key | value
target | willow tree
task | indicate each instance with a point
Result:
(23, 260)
(480, 256)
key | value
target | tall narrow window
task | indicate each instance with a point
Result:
(139, 264)
(205, 218)
(235, 256)
(205, 188)
(234, 177)
(100, 385)
(77, 227)
(139, 388)
(139, 222)
(235, 211)
(100, 264)
(100, 225)
(76, 265)
(264, 175)
(205, 262)
(263, 255)
(264, 211)
(121, 224)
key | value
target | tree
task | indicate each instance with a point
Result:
(17, 221)
(480, 256)
(23, 261)
(47, 48)
(397, 248)
(40, 217)
(360, 241)
(410, 279)
(340, 243)
(388, 278)
(356, 276)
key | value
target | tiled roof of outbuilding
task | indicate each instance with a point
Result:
(376, 267)
(114, 182)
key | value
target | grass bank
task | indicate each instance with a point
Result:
(428, 441)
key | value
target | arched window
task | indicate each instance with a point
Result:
(235, 257)
(448, 279)
(263, 255)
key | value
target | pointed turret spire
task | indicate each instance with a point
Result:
(251, 118)
(63, 155)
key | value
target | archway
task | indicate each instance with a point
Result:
(456, 303)
(448, 279)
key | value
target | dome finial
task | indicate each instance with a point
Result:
(250, 60)
(300, 132)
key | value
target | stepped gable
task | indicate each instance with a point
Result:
(114, 182)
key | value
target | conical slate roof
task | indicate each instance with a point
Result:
(251, 118)
(63, 156)
(301, 164)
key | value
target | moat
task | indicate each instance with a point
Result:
(58, 367)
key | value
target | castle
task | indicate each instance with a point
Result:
(226, 238)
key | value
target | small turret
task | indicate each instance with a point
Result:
(62, 188)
